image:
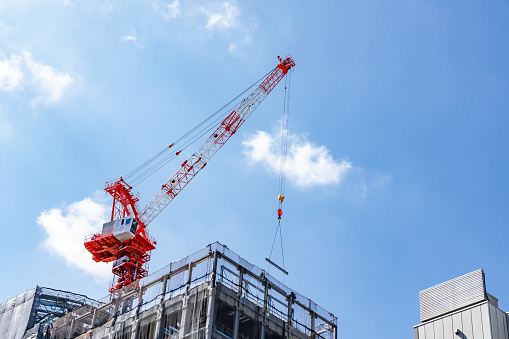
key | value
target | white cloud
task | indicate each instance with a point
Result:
(65, 230)
(171, 11)
(307, 165)
(51, 83)
(22, 71)
(223, 16)
(11, 76)
(133, 37)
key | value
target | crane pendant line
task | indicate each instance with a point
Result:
(130, 249)
(223, 133)
(155, 163)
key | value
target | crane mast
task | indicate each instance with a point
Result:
(125, 238)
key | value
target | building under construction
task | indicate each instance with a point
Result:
(212, 293)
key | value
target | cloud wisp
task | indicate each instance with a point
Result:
(133, 37)
(222, 17)
(170, 11)
(23, 72)
(67, 227)
(307, 165)
(226, 19)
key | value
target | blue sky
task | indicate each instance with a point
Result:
(404, 103)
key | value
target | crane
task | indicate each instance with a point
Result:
(125, 240)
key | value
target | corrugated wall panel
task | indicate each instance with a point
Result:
(494, 322)
(416, 333)
(485, 316)
(456, 322)
(439, 329)
(422, 335)
(466, 323)
(428, 330)
(448, 331)
(477, 323)
(502, 326)
(452, 295)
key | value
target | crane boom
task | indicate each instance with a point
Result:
(217, 139)
(125, 239)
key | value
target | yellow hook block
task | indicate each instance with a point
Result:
(281, 198)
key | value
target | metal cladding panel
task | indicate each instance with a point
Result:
(477, 323)
(452, 295)
(15, 315)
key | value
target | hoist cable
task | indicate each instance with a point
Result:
(282, 167)
(278, 230)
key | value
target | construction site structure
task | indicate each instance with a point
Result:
(461, 308)
(29, 314)
(212, 293)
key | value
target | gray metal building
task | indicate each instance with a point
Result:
(28, 314)
(461, 308)
(212, 293)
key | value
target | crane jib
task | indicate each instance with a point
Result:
(130, 256)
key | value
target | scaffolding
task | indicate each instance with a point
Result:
(212, 293)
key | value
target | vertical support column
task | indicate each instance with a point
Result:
(236, 324)
(134, 330)
(241, 281)
(313, 317)
(216, 256)
(209, 326)
(189, 276)
(265, 297)
(290, 298)
(71, 328)
(117, 305)
(265, 308)
(210, 312)
(185, 320)
(159, 316)
(94, 318)
(237, 308)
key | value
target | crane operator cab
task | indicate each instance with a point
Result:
(123, 229)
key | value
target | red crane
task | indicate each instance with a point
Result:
(125, 238)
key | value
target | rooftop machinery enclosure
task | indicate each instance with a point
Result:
(453, 294)
(461, 309)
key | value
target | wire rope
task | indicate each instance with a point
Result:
(159, 160)
(282, 166)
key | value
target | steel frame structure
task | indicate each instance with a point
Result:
(214, 275)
